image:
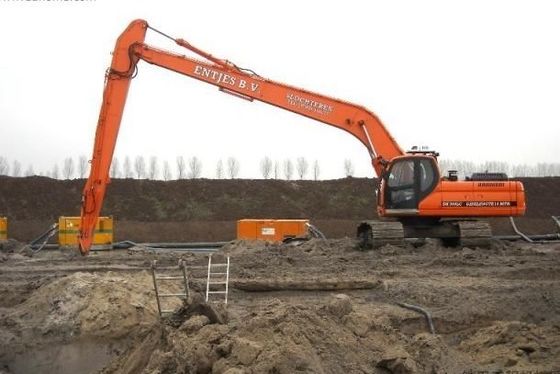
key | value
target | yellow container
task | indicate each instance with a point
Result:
(3, 228)
(68, 229)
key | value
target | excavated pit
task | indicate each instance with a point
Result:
(320, 307)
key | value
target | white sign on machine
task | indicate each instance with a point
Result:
(268, 231)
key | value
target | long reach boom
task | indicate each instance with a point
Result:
(130, 49)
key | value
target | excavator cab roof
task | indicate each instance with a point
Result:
(423, 150)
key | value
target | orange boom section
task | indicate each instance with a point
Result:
(130, 48)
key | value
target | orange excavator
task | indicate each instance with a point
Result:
(413, 199)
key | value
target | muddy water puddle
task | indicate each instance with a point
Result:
(84, 356)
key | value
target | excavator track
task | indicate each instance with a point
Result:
(475, 233)
(375, 234)
(472, 233)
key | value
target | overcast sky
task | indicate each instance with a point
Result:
(475, 80)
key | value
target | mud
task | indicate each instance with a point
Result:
(320, 307)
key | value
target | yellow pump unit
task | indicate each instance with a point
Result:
(69, 227)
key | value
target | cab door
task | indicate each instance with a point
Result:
(408, 181)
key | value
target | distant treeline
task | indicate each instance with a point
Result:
(152, 168)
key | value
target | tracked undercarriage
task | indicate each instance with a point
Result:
(452, 232)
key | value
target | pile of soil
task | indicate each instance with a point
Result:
(193, 199)
(207, 210)
(334, 336)
(281, 337)
(105, 305)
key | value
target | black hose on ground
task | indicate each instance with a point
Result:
(315, 232)
(194, 246)
(40, 242)
(421, 311)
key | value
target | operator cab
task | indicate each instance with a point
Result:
(409, 179)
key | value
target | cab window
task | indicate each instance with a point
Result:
(427, 175)
(402, 174)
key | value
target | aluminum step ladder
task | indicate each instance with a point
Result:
(217, 281)
(170, 275)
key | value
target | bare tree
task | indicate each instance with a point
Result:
(140, 167)
(467, 167)
(316, 170)
(555, 169)
(54, 173)
(542, 169)
(548, 170)
(233, 167)
(127, 167)
(266, 167)
(181, 167)
(532, 171)
(503, 167)
(83, 166)
(276, 169)
(167, 171)
(288, 169)
(302, 166)
(463, 168)
(518, 171)
(4, 166)
(115, 170)
(220, 169)
(16, 168)
(495, 167)
(348, 168)
(154, 168)
(195, 167)
(29, 171)
(68, 168)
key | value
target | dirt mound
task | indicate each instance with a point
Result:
(339, 335)
(313, 247)
(74, 323)
(280, 337)
(204, 210)
(515, 343)
(92, 305)
(192, 200)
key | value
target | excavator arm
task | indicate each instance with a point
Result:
(130, 49)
